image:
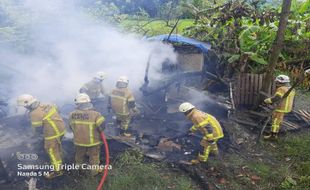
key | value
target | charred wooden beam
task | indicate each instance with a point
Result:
(243, 122)
(259, 114)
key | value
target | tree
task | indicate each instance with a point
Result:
(277, 45)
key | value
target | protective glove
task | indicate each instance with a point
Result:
(268, 101)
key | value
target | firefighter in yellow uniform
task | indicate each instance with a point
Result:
(47, 116)
(86, 125)
(94, 88)
(207, 125)
(122, 101)
(285, 106)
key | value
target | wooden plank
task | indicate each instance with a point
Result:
(242, 89)
(249, 89)
(256, 90)
(243, 122)
(306, 113)
(291, 126)
(300, 117)
(237, 91)
(259, 114)
(260, 82)
(246, 98)
(252, 86)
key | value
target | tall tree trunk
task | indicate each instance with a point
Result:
(277, 46)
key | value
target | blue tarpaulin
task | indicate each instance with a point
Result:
(175, 38)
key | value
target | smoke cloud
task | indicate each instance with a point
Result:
(67, 47)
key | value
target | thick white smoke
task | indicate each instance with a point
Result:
(70, 47)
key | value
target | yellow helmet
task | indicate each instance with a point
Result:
(100, 75)
(186, 106)
(282, 79)
(25, 100)
(123, 79)
(82, 98)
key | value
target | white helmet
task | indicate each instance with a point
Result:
(186, 106)
(282, 79)
(25, 100)
(123, 79)
(82, 98)
(100, 75)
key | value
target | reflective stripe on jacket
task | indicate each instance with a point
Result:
(119, 100)
(206, 124)
(46, 115)
(93, 89)
(84, 124)
(286, 105)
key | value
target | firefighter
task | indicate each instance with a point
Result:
(94, 88)
(207, 125)
(47, 116)
(122, 101)
(86, 124)
(285, 106)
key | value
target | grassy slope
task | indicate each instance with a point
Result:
(131, 172)
(281, 165)
(156, 27)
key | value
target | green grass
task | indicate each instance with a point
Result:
(156, 27)
(285, 166)
(297, 149)
(130, 172)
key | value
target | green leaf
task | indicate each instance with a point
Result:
(233, 58)
(257, 59)
(291, 181)
(304, 7)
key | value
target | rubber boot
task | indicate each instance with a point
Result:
(126, 133)
(54, 174)
(271, 137)
(195, 161)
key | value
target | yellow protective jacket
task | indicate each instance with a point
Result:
(93, 89)
(46, 115)
(206, 124)
(286, 105)
(84, 124)
(119, 100)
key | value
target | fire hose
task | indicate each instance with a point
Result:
(107, 161)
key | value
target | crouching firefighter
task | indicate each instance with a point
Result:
(208, 126)
(122, 101)
(47, 116)
(285, 105)
(86, 124)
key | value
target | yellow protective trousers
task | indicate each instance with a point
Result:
(54, 150)
(123, 121)
(277, 118)
(93, 154)
(207, 148)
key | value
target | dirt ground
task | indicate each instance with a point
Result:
(243, 164)
(302, 100)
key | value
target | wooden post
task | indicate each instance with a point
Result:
(276, 47)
